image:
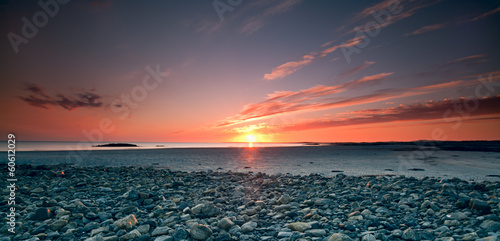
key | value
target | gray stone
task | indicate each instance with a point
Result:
(127, 222)
(131, 235)
(58, 224)
(248, 227)
(284, 234)
(410, 234)
(490, 226)
(300, 226)
(160, 231)
(316, 232)
(284, 199)
(339, 237)
(225, 223)
(164, 238)
(97, 231)
(200, 232)
(368, 237)
(143, 229)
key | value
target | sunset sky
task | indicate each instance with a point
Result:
(282, 71)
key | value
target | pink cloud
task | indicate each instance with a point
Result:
(292, 66)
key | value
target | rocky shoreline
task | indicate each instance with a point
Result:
(137, 203)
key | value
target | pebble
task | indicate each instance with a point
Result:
(339, 237)
(248, 227)
(127, 222)
(128, 203)
(200, 232)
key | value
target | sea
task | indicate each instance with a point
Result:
(471, 161)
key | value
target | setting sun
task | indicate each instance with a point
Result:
(251, 138)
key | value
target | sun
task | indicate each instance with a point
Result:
(251, 138)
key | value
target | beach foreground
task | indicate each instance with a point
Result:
(135, 203)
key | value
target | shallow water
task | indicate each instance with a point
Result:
(303, 160)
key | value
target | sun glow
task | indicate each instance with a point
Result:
(251, 138)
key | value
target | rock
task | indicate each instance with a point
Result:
(41, 214)
(490, 226)
(480, 206)
(127, 222)
(469, 236)
(97, 231)
(160, 231)
(489, 238)
(210, 210)
(200, 232)
(58, 224)
(316, 232)
(131, 235)
(95, 238)
(225, 223)
(284, 234)
(180, 234)
(143, 229)
(339, 237)
(197, 209)
(450, 223)
(164, 238)
(284, 199)
(260, 203)
(248, 227)
(368, 237)
(300, 226)
(111, 238)
(410, 234)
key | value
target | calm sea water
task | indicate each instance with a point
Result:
(270, 158)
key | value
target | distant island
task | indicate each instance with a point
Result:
(116, 145)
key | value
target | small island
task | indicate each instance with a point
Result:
(116, 145)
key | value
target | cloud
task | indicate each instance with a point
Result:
(255, 23)
(292, 101)
(289, 68)
(322, 97)
(39, 99)
(356, 69)
(484, 15)
(432, 110)
(427, 28)
(434, 27)
(405, 9)
(292, 66)
(453, 67)
(469, 60)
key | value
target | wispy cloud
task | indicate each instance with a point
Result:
(322, 97)
(255, 23)
(291, 101)
(292, 66)
(469, 60)
(455, 22)
(484, 15)
(427, 28)
(404, 10)
(289, 67)
(38, 98)
(431, 110)
(356, 69)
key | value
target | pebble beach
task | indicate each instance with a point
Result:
(146, 203)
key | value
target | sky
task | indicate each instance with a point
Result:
(240, 70)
